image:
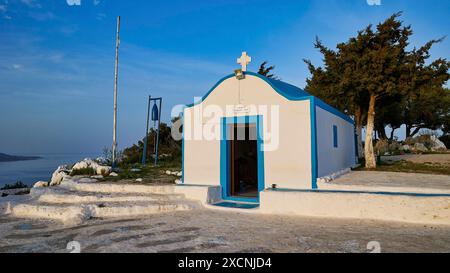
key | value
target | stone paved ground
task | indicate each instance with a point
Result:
(205, 230)
(394, 179)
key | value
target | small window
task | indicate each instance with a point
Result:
(335, 136)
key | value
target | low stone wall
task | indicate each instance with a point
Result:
(411, 208)
(205, 194)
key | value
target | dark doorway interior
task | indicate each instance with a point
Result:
(243, 161)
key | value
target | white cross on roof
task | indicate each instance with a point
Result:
(244, 60)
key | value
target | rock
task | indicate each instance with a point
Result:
(97, 176)
(175, 173)
(103, 170)
(40, 184)
(420, 147)
(102, 161)
(59, 175)
(405, 148)
(89, 163)
(113, 174)
(437, 145)
(57, 178)
(80, 165)
(85, 163)
(139, 180)
(135, 170)
(87, 180)
(178, 182)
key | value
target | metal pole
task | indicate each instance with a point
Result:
(116, 73)
(157, 135)
(144, 155)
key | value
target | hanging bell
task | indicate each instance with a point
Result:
(155, 114)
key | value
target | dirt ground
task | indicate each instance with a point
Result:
(214, 231)
(420, 158)
(394, 179)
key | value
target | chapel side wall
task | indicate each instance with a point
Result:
(329, 158)
(287, 159)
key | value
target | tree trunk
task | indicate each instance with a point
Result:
(408, 131)
(411, 133)
(416, 130)
(382, 133)
(391, 137)
(368, 147)
(359, 126)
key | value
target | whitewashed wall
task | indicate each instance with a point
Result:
(329, 158)
(289, 166)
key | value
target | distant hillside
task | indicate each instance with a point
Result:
(9, 158)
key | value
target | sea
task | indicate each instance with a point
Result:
(31, 171)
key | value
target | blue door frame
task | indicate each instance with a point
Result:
(225, 156)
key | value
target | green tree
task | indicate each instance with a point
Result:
(267, 71)
(370, 75)
(167, 145)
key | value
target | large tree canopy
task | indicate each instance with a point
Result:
(376, 79)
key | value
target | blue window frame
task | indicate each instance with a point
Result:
(335, 136)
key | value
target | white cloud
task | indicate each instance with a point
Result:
(31, 3)
(17, 66)
(2, 8)
(101, 16)
(73, 2)
(96, 2)
(42, 16)
(56, 57)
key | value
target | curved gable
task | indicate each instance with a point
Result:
(286, 90)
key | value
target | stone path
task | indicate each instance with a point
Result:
(395, 179)
(203, 230)
(75, 202)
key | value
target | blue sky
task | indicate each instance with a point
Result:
(57, 60)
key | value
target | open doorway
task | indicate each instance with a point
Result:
(243, 160)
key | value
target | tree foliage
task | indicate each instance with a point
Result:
(376, 79)
(167, 145)
(267, 71)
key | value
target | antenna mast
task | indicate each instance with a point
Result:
(116, 73)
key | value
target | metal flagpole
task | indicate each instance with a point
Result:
(144, 155)
(157, 135)
(116, 72)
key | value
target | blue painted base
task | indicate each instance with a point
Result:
(237, 205)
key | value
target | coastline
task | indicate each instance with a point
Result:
(31, 171)
(13, 158)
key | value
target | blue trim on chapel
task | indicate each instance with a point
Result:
(288, 91)
(314, 162)
(225, 155)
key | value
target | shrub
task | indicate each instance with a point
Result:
(84, 171)
(446, 140)
(17, 185)
(382, 146)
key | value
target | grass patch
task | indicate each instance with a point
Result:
(17, 185)
(84, 171)
(149, 173)
(409, 167)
